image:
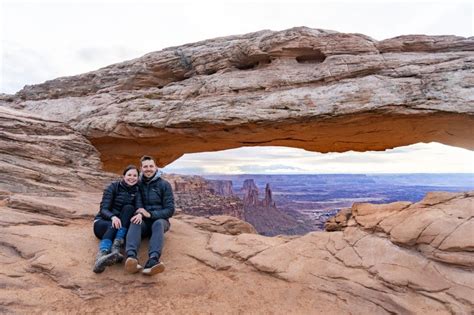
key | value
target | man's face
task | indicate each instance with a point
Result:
(148, 168)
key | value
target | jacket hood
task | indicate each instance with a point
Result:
(155, 177)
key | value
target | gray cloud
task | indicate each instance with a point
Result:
(256, 169)
(354, 159)
(184, 170)
(23, 66)
(106, 55)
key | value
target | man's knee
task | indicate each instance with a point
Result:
(134, 226)
(159, 225)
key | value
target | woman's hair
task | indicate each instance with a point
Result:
(130, 167)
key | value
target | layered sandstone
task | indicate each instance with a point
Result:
(401, 264)
(307, 88)
(38, 155)
(440, 226)
(397, 258)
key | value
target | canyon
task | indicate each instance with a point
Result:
(308, 88)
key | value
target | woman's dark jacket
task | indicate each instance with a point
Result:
(157, 197)
(117, 195)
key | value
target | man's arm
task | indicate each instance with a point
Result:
(138, 199)
(167, 200)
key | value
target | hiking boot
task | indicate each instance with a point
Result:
(103, 259)
(153, 266)
(132, 265)
(117, 257)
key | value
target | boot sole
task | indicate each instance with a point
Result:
(132, 266)
(102, 263)
(115, 258)
(159, 268)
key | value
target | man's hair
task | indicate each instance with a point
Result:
(147, 158)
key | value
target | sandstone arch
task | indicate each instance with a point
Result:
(306, 88)
(396, 258)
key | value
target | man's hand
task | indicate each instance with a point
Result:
(116, 223)
(144, 213)
(137, 218)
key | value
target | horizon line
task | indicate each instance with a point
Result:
(293, 174)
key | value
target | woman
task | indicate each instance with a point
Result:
(119, 202)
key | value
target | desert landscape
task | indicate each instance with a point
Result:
(63, 140)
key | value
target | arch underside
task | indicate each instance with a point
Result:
(359, 132)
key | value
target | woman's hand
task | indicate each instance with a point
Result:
(137, 218)
(116, 223)
(144, 213)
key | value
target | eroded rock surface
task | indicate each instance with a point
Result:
(221, 265)
(307, 88)
(44, 156)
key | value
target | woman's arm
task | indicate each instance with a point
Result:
(107, 200)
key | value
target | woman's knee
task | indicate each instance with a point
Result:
(126, 214)
(101, 226)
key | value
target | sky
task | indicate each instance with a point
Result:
(416, 158)
(43, 40)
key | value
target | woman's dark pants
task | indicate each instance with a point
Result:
(103, 228)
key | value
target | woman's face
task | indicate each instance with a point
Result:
(131, 177)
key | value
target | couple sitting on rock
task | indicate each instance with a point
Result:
(137, 205)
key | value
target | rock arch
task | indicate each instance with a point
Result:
(307, 88)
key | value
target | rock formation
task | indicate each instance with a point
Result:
(250, 192)
(43, 156)
(265, 216)
(250, 195)
(440, 226)
(268, 200)
(305, 88)
(221, 187)
(319, 90)
(197, 184)
(198, 196)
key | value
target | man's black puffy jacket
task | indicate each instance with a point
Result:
(117, 195)
(157, 197)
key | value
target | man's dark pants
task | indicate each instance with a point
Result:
(154, 229)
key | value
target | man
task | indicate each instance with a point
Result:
(152, 219)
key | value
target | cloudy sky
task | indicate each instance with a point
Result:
(418, 158)
(42, 40)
